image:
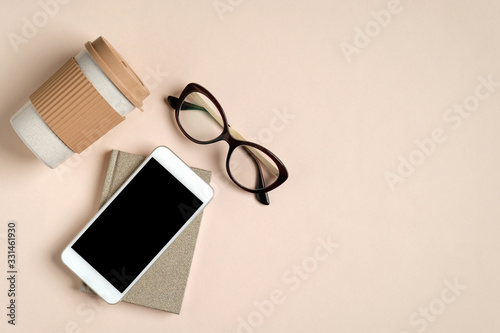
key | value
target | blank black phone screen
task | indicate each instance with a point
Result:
(139, 222)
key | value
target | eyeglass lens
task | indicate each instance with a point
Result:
(197, 117)
(252, 168)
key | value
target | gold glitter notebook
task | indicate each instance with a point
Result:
(162, 286)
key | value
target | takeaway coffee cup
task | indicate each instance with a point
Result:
(88, 96)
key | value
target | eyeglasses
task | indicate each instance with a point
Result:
(249, 165)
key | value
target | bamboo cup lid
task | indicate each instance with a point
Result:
(118, 71)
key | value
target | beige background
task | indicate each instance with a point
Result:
(343, 109)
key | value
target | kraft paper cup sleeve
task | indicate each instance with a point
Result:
(74, 117)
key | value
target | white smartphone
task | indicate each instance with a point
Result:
(137, 224)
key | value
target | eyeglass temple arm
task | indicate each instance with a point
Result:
(185, 106)
(262, 197)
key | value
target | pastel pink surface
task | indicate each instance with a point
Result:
(346, 93)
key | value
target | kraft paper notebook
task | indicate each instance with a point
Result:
(162, 286)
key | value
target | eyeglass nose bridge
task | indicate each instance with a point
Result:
(228, 136)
